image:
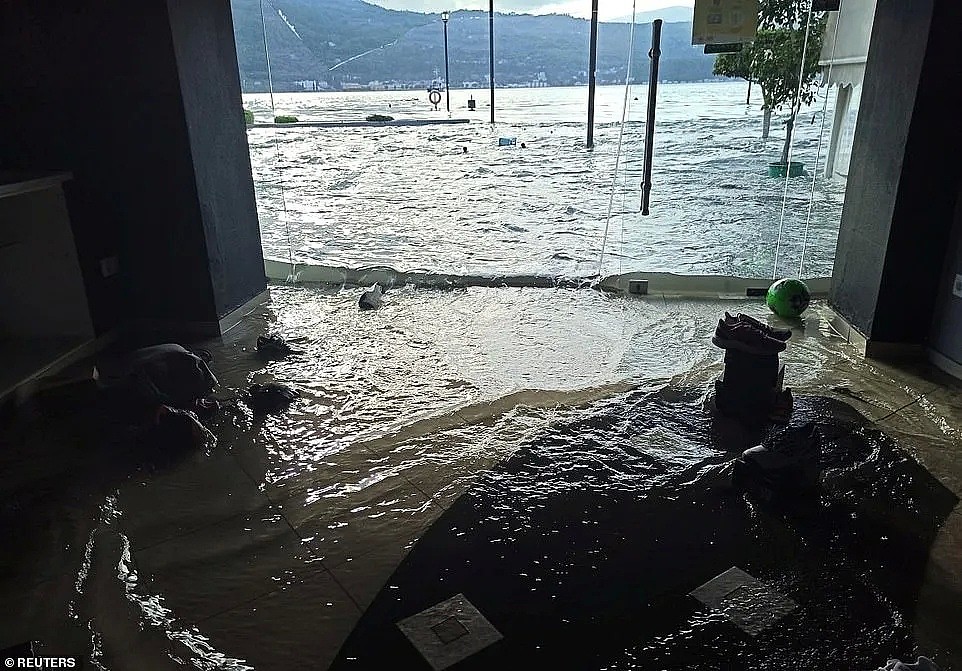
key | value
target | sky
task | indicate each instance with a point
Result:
(607, 9)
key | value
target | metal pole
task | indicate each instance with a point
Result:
(592, 64)
(447, 82)
(491, 52)
(654, 55)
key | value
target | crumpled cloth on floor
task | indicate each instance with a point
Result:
(921, 664)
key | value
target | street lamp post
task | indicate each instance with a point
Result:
(447, 84)
(491, 53)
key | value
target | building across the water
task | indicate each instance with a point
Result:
(312, 85)
(844, 55)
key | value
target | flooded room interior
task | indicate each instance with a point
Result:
(399, 334)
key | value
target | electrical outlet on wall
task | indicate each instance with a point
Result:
(957, 286)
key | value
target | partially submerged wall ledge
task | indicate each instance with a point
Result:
(885, 351)
(360, 124)
(662, 284)
(945, 364)
(705, 286)
(234, 317)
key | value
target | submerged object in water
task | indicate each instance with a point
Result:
(274, 346)
(174, 430)
(270, 397)
(786, 463)
(167, 374)
(205, 408)
(507, 141)
(372, 298)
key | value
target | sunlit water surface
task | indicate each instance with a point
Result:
(410, 199)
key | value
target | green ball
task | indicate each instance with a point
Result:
(788, 298)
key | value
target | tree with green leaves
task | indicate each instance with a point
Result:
(774, 60)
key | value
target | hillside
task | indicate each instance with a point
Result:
(307, 38)
(668, 15)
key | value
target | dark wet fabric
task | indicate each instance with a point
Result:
(270, 397)
(166, 374)
(274, 347)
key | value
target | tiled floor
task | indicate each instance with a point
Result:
(252, 552)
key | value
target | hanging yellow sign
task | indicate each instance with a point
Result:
(724, 21)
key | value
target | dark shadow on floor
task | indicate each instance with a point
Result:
(582, 549)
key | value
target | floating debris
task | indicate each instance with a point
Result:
(274, 347)
(270, 397)
(372, 299)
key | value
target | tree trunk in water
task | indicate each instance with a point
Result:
(789, 125)
(748, 98)
(766, 124)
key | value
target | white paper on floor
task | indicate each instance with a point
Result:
(745, 600)
(449, 632)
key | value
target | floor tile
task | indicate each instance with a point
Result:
(455, 456)
(220, 566)
(299, 469)
(336, 529)
(432, 463)
(365, 575)
(944, 406)
(940, 598)
(44, 541)
(301, 626)
(200, 491)
(932, 438)
(39, 613)
(912, 376)
(207, 542)
(867, 389)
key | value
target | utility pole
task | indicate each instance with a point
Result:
(447, 84)
(592, 64)
(491, 52)
(655, 56)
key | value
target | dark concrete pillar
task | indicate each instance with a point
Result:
(203, 38)
(141, 101)
(904, 174)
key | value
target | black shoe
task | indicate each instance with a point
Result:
(746, 338)
(788, 458)
(770, 331)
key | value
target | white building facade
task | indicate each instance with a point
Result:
(845, 51)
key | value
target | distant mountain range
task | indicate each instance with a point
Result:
(349, 43)
(668, 15)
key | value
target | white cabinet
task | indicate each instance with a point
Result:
(44, 316)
